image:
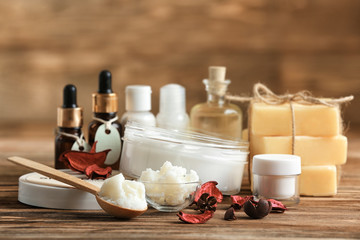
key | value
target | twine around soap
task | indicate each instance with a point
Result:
(261, 93)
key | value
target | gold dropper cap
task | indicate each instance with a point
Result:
(69, 115)
(105, 100)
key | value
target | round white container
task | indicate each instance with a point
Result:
(213, 159)
(40, 191)
(277, 176)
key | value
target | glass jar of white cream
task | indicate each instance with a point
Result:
(212, 158)
(276, 176)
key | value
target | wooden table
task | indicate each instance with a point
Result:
(314, 217)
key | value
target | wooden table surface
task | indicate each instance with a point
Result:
(314, 217)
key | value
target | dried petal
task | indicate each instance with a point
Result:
(258, 209)
(211, 189)
(80, 161)
(230, 214)
(277, 206)
(195, 218)
(238, 201)
(96, 172)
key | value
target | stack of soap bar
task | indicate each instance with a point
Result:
(318, 141)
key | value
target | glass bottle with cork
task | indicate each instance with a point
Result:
(217, 117)
(105, 129)
(69, 135)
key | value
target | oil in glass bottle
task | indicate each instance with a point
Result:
(69, 122)
(105, 129)
(217, 117)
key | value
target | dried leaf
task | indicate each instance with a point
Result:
(195, 218)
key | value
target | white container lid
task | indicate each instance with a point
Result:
(276, 164)
(40, 191)
(138, 98)
(172, 99)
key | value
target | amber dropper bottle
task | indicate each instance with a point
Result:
(69, 122)
(105, 128)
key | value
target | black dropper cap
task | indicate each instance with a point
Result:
(105, 82)
(69, 97)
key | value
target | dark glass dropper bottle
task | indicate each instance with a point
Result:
(69, 122)
(105, 107)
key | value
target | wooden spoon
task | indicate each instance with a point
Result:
(108, 207)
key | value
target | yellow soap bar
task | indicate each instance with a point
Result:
(318, 180)
(310, 120)
(312, 150)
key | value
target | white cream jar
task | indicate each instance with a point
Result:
(213, 159)
(276, 176)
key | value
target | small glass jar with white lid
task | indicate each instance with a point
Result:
(276, 176)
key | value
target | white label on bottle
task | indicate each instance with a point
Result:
(76, 147)
(109, 140)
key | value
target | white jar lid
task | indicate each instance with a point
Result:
(138, 98)
(276, 164)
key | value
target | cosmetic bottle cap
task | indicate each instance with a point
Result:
(105, 100)
(172, 98)
(276, 164)
(217, 73)
(216, 84)
(69, 114)
(138, 98)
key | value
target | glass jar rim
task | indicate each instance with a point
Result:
(183, 137)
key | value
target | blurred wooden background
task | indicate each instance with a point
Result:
(288, 45)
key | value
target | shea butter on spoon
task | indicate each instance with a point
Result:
(124, 193)
(109, 196)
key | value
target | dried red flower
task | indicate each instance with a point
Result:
(211, 189)
(277, 206)
(80, 161)
(195, 218)
(206, 202)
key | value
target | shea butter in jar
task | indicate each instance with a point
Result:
(276, 176)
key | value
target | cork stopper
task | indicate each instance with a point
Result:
(217, 73)
(216, 84)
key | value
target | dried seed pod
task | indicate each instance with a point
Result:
(206, 202)
(257, 209)
(230, 214)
